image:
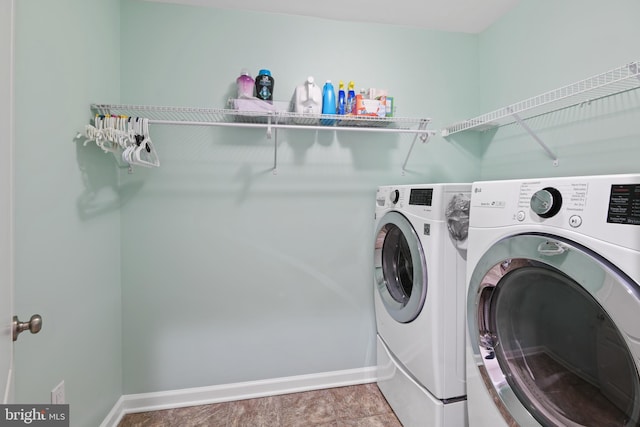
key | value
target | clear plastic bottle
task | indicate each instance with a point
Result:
(245, 84)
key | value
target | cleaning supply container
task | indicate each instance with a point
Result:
(342, 99)
(328, 102)
(351, 99)
(308, 98)
(264, 85)
(245, 84)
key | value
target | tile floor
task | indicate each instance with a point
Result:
(351, 406)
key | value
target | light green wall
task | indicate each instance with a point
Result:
(67, 239)
(543, 45)
(232, 273)
(229, 272)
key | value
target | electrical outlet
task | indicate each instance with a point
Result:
(57, 394)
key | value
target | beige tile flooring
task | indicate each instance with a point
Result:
(351, 406)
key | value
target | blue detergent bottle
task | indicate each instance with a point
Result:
(351, 99)
(328, 102)
(342, 102)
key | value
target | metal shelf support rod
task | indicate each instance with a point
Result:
(275, 152)
(269, 127)
(530, 131)
(423, 136)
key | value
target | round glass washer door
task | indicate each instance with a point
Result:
(400, 272)
(549, 334)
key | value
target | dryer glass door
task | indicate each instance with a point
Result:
(400, 270)
(554, 342)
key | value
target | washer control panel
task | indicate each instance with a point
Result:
(605, 207)
(561, 201)
(424, 201)
(624, 204)
(545, 201)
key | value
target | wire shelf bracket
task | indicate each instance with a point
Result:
(424, 137)
(536, 138)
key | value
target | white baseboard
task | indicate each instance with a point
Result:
(238, 391)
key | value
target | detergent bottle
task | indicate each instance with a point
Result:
(351, 99)
(245, 84)
(308, 98)
(264, 85)
(342, 102)
(328, 102)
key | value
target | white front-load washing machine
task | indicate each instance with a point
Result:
(553, 302)
(419, 294)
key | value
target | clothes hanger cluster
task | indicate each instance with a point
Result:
(127, 137)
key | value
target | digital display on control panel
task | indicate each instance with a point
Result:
(421, 196)
(624, 204)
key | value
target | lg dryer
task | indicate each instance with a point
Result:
(554, 302)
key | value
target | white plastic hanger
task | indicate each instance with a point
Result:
(145, 153)
(113, 133)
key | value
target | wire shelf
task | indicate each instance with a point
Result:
(618, 80)
(228, 117)
(271, 121)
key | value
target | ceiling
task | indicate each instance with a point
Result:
(467, 16)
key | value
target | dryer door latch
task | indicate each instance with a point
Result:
(551, 248)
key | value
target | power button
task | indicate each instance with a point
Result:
(520, 216)
(575, 221)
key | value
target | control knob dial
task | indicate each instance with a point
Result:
(546, 202)
(394, 196)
